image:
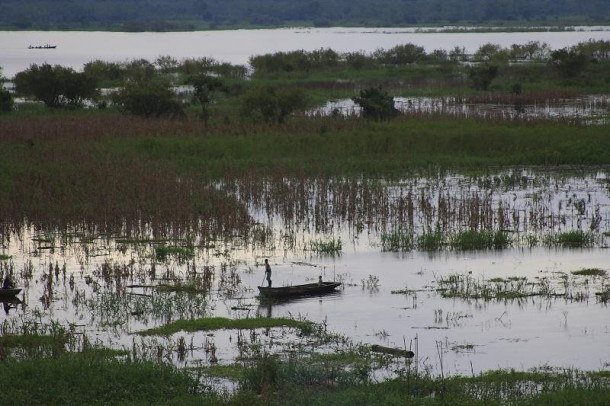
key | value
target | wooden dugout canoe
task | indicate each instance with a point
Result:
(299, 290)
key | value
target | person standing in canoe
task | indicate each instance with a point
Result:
(268, 272)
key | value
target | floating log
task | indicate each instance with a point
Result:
(393, 351)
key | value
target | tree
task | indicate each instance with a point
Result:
(569, 62)
(376, 104)
(272, 105)
(402, 54)
(481, 76)
(56, 86)
(491, 53)
(205, 87)
(6, 101)
(149, 98)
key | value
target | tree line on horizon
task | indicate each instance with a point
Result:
(165, 15)
(146, 88)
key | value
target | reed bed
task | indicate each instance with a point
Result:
(104, 173)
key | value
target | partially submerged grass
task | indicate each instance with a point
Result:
(570, 239)
(468, 287)
(590, 272)
(217, 323)
(396, 242)
(180, 253)
(330, 247)
(479, 240)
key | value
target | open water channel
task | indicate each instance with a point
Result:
(74, 49)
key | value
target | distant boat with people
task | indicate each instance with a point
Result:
(46, 46)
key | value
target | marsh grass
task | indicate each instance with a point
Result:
(306, 383)
(479, 240)
(182, 254)
(330, 247)
(80, 379)
(570, 239)
(590, 272)
(431, 241)
(396, 242)
(468, 287)
(217, 323)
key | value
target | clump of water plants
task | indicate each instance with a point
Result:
(590, 272)
(331, 247)
(570, 239)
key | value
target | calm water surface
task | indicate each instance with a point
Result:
(236, 46)
(475, 335)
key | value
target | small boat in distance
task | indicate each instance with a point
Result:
(47, 46)
(9, 292)
(299, 290)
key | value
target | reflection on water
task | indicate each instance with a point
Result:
(107, 289)
(594, 109)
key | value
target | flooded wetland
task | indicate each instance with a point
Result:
(466, 216)
(503, 270)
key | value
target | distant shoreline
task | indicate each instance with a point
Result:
(416, 29)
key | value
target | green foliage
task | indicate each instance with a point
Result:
(78, 379)
(217, 323)
(148, 97)
(104, 72)
(181, 253)
(298, 61)
(205, 87)
(396, 242)
(482, 75)
(6, 101)
(56, 86)
(431, 241)
(491, 53)
(401, 54)
(376, 104)
(272, 105)
(569, 62)
(159, 15)
(326, 247)
(479, 240)
(590, 272)
(570, 239)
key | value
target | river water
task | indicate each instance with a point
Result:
(74, 49)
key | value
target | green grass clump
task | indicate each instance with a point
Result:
(570, 239)
(590, 272)
(431, 241)
(396, 242)
(78, 379)
(480, 240)
(180, 253)
(331, 247)
(218, 323)
(468, 287)
(4, 257)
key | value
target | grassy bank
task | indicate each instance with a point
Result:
(79, 380)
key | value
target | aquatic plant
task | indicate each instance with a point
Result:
(332, 246)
